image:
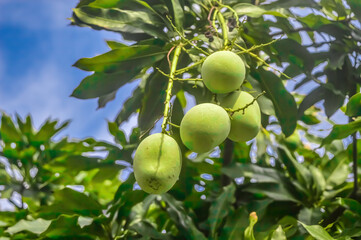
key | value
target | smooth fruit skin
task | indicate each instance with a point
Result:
(223, 72)
(157, 163)
(244, 127)
(204, 127)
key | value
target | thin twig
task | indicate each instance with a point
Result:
(146, 131)
(183, 70)
(232, 111)
(179, 79)
(185, 39)
(263, 61)
(259, 46)
(169, 52)
(174, 125)
(209, 17)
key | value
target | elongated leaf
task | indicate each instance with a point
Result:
(235, 225)
(113, 60)
(68, 201)
(176, 10)
(336, 170)
(130, 106)
(278, 234)
(26, 127)
(355, 7)
(103, 100)
(293, 52)
(313, 97)
(36, 226)
(47, 131)
(8, 132)
(153, 99)
(310, 215)
(256, 11)
(317, 232)
(283, 101)
(122, 20)
(101, 83)
(258, 173)
(318, 181)
(350, 204)
(220, 208)
(340, 131)
(181, 219)
(117, 133)
(294, 168)
(272, 190)
(354, 106)
(65, 227)
(293, 3)
(146, 229)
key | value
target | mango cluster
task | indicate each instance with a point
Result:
(157, 161)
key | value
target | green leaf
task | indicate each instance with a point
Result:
(66, 227)
(318, 181)
(105, 3)
(278, 234)
(294, 53)
(336, 170)
(176, 10)
(353, 107)
(256, 11)
(274, 191)
(260, 174)
(131, 105)
(25, 127)
(103, 100)
(235, 225)
(283, 101)
(146, 229)
(47, 131)
(154, 96)
(8, 132)
(36, 226)
(220, 208)
(296, 170)
(101, 83)
(350, 204)
(310, 215)
(340, 131)
(311, 98)
(68, 201)
(181, 219)
(122, 20)
(117, 133)
(355, 7)
(317, 232)
(114, 60)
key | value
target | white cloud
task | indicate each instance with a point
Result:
(39, 90)
(41, 14)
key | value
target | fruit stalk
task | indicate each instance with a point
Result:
(177, 52)
(224, 28)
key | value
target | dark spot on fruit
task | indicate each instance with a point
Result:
(154, 183)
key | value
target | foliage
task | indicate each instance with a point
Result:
(278, 186)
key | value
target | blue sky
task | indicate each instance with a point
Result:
(37, 50)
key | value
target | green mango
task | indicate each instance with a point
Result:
(244, 125)
(204, 127)
(223, 72)
(157, 163)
